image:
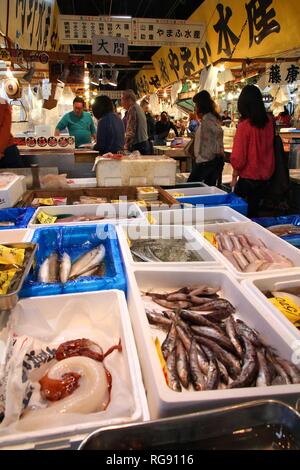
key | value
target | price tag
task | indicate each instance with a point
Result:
(152, 220)
(46, 202)
(161, 358)
(288, 308)
(211, 237)
(5, 280)
(12, 255)
(44, 218)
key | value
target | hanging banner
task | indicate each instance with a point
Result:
(3, 18)
(249, 29)
(113, 94)
(75, 29)
(147, 82)
(284, 73)
(110, 46)
(33, 24)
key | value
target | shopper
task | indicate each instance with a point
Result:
(79, 124)
(9, 153)
(284, 119)
(150, 122)
(252, 155)
(226, 118)
(136, 135)
(208, 142)
(110, 130)
(162, 129)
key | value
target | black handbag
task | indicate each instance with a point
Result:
(280, 180)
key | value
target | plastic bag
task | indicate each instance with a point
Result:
(54, 181)
(35, 331)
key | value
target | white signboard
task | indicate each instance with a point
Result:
(113, 94)
(74, 29)
(110, 45)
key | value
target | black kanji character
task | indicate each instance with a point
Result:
(102, 45)
(174, 62)
(163, 70)
(261, 19)
(154, 81)
(160, 32)
(118, 26)
(292, 73)
(188, 66)
(222, 28)
(206, 51)
(188, 34)
(275, 75)
(119, 48)
(196, 34)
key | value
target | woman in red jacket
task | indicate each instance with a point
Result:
(9, 153)
(252, 155)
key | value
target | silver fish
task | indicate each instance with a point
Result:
(196, 374)
(169, 343)
(244, 330)
(214, 335)
(158, 319)
(173, 379)
(88, 261)
(249, 369)
(199, 319)
(264, 376)
(43, 275)
(230, 330)
(292, 371)
(228, 359)
(53, 268)
(212, 380)
(65, 268)
(184, 336)
(182, 363)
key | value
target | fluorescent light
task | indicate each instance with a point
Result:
(122, 17)
(95, 83)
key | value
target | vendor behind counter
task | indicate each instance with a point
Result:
(79, 124)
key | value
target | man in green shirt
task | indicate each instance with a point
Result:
(79, 124)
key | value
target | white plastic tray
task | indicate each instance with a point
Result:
(272, 242)
(255, 286)
(74, 183)
(206, 191)
(161, 399)
(112, 211)
(196, 216)
(108, 308)
(194, 242)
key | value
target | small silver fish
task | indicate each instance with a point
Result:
(89, 260)
(43, 275)
(65, 268)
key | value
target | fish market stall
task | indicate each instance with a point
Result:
(243, 351)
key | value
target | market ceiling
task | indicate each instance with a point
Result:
(173, 9)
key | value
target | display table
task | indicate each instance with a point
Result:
(185, 161)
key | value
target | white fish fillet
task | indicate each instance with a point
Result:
(88, 261)
(65, 268)
(92, 395)
(43, 275)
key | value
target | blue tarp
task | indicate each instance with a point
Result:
(77, 241)
(19, 215)
(282, 220)
(214, 200)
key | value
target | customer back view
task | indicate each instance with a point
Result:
(136, 135)
(252, 155)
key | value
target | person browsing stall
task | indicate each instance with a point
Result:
(136, 134)
(162, 129)
(252, 156)
(110, 130)
(9, 153)
(208, 142)
(79, 124)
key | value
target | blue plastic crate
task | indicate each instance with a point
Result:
(21, 217)
(76, 241)
(230, 200)
(282, 220)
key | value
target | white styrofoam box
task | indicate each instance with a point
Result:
(113, 212)
(206, 191)
(11, 190)
(14, 236)
(193, 242)
(74, 183)
(196, 216)
(271, 241)
(106, 308)
(255, 286)
(152, 170)
(162, 400)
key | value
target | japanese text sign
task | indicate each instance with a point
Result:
(110, 45)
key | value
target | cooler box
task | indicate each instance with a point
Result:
(11, 189)
(15, 218)
(144, 171)
(230, 200)
(293, 239)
